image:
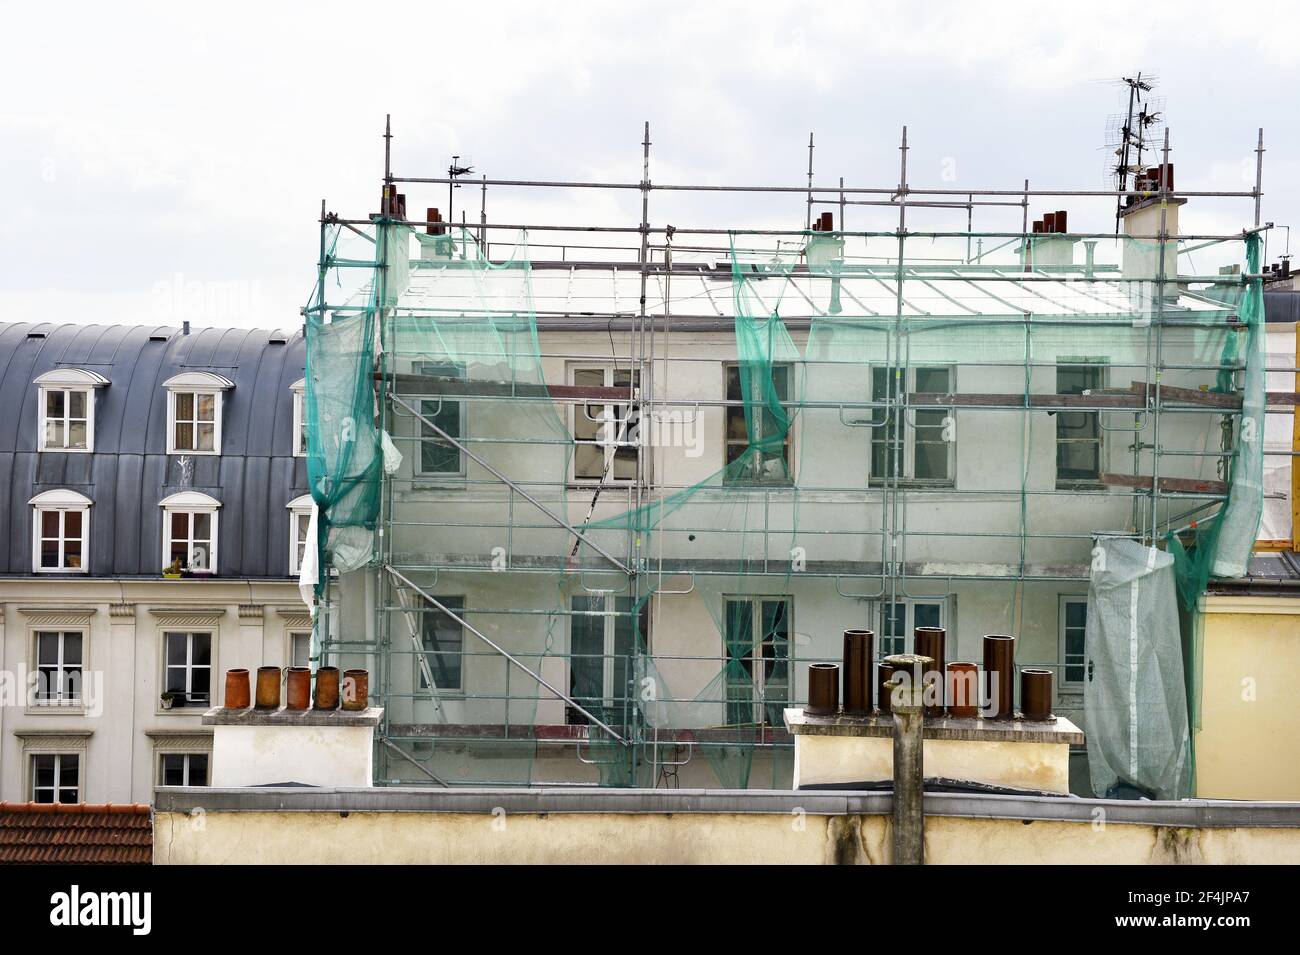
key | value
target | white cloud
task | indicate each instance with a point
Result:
(173, 140)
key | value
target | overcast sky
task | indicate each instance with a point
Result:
(152, 152)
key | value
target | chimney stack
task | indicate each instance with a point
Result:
(433, 216)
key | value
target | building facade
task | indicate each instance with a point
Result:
(156, 514)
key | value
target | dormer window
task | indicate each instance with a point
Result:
(299, 418)
(300, 510)
(194, 412)
(67, 409)
(190, 532)
(60, 532)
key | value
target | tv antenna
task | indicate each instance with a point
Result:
(1131, 134)
(454, 172)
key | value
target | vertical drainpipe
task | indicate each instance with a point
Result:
(907, 690)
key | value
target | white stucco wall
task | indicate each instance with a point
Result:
(123, 728)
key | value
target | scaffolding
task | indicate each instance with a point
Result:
(587, 508)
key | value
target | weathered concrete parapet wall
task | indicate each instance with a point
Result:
(204, 826)
(1013, 754)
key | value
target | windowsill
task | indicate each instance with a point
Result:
(59, 570)
(436, 479)
(1080, 485)
(183, 710)
(66, 450)
(57, 708)
(920, 484)
(580, 484)
(208, 454)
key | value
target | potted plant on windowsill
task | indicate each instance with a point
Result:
(167, 699)
(173, 570)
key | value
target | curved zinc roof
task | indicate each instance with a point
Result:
(130, 472)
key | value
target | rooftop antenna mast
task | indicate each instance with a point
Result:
(454, 172)
(1130, 134)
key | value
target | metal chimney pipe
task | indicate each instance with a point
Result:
(1036, 694)
(823, 690)
(928, 642)
(858, 672)
(963, 691)
(999, 675)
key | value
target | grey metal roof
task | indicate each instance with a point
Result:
(1281, 306)
(130, 472)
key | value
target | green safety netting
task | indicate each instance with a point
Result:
(679, 622)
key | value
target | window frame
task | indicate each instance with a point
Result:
(1100, 365)
(189, 666)
(299, 418)
(428, 610)
(197, 384)
(59, 703)
(1065, 686)
(788, 403)
(884, 640)
(609, 411)
(610, 697)
(299, 507)
(60, 501)
(759, 702)
(67, 380)
(291, 638)
(191, 503)
(908, 477)
(58, 756)
(420, 367)
(187, 756)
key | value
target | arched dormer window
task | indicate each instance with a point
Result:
(190, 532)
(194, 412)
(60, 532)
(66, 409)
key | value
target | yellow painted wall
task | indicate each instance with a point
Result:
(1248, 744)
(715, 838)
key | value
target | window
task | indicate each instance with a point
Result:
(1073, 655)
(757, 638)
(927, 447)
(299, 418)
(1078, 433)
(437, 456)
(56, 777)
(194, 412)
(444, 643)
(601, 644)
(300, 511)
(59, 657)
(605, 435)
(300, 649)
(188, 668)
(190, 532)
(183, 769)
(60, 531)
(900, 618)
(67, 409)
(768, 430)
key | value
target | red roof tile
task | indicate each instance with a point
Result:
(82, 833)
